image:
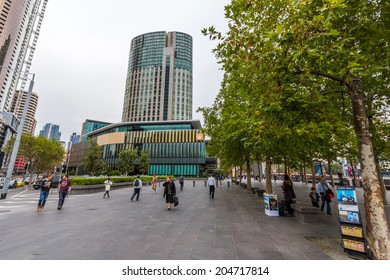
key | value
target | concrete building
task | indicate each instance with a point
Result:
(175, 147)
(159, 78)
(19, 29)
(51, 131)
(17, 107)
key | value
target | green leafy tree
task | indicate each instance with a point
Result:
(92, 161)
(127, 159)
(144, 162)
(304, 56)
(41, 153)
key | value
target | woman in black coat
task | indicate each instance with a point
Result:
(169, 192)
(288, 193)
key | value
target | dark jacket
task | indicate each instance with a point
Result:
(47, 185)
(288, 191)
(169, 189)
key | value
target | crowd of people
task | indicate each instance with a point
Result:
(169, 192)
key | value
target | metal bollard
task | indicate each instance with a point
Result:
(216, 183)
(228, 184)
(205, 183)
(193, 183)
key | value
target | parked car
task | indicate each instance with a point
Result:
(19, 182)
(38, 183)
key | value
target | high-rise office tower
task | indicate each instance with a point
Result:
(159, 78)
(17, 107)
(51, 131)
(19, 29)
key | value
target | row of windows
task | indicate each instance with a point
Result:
(174, 136)
(175, 170)
(176, 150)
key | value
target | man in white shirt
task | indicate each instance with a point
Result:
(211, 183)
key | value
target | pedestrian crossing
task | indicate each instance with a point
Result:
(26, 200)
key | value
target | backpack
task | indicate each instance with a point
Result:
(136, 183)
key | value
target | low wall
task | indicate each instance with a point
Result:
(98, 188)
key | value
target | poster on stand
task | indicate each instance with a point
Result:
(346, 199)
(271, 204)
(351, 217)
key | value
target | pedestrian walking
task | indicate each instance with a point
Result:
(137, 188)
(315, 198)
(47, 185)
(211, 183)
(323, 189)
(63, 188)
(288, 193)
(181, 182)
(275, 178)
(107, 187)
(169, 192)
(154, 183)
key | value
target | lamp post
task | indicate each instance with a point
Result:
(19, 132)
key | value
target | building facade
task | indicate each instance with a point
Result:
(92, 125)
(17, 107)
(159, 78)
(51, 131)
(18, 35)
(175, 147)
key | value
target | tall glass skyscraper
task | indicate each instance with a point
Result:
(159, 78)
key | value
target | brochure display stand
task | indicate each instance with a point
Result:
(271, 204)
(351, 226)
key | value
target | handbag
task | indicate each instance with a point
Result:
(330, 193)
(175, 201)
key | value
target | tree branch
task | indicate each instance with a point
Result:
(328, 76)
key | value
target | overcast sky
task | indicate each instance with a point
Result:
(81, 58)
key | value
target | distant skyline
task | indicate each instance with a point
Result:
(83, 50)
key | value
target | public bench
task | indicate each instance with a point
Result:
(260, 193)
(387, 184)
(253, 189)
(306, 213)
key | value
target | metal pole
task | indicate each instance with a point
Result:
(15, 149)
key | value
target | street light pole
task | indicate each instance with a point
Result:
(15, 149)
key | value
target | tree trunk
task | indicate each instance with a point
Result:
(377, 230)
(285, 165)
(248, 173)
(381, 182)
(268, 182)
(260, 170)
(313, 171)
(330, 173)
(304, 171)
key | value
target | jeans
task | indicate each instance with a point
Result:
(328, 210)
(62, 194)
(136, 192)
(42, 198)
(212, 190)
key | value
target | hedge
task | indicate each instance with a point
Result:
(82, 181)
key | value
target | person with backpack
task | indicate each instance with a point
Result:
(137, 188)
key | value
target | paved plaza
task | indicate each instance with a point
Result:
(232, 226)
